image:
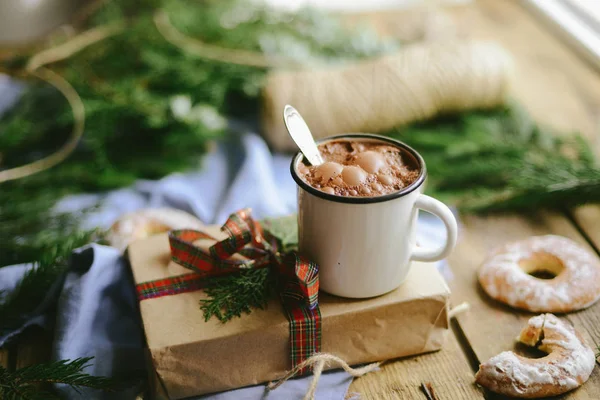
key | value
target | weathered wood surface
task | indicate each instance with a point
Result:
(489, 326)
(447, 371)
(561, 90)
(4, 357)
(34, 347)
(588, 219)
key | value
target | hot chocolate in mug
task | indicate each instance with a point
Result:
(364, 245)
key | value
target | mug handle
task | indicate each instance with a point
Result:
(442, 211)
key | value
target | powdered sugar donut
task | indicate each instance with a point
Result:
(505, 275)
(567, 366)
(147, 222)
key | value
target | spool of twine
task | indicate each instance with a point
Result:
(420, 82)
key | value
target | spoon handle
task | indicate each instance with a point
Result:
(301, 135)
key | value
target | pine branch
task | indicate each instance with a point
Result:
(25, 383)
(501, 160)
(233, 295)
(130, 85)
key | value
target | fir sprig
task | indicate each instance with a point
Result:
(502, 160)
(27, 383)
(233, 295)
(132, 85)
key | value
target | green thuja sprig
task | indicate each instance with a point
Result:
(236, 294)
(233, 295)
(502, 160)
(28, 383)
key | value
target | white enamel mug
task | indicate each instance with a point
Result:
(364, 245)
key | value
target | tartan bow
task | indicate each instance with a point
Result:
(298, 278)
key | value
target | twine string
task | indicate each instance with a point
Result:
(419, 82)
(216, 53)
(35, 67)
(73, 45)
(81, 41)
(318, 362)
(461, 308)
(67, 148)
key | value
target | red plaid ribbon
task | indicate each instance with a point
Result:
(299, 278)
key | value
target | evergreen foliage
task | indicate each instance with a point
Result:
(16, 307)
(28, 383)
(232, 295)
(501, 160)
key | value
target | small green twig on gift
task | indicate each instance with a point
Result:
(24, 383)
(233, 295)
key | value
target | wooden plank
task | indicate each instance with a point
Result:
(489, 326)
(34, 347)
(588, 219)
(554, 84)
(4, 357)
(447, 371)
(573, 25)
(545, 66)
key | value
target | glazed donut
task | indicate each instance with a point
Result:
(505, 275)
(149, 221)
(567, 366)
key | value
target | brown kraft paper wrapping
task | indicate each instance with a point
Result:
(193, 357)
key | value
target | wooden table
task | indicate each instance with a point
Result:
(561, 90)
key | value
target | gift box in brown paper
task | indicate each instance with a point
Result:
(193, 357)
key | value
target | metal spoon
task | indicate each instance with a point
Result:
(301, 135)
